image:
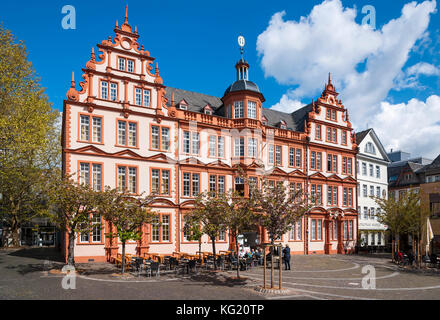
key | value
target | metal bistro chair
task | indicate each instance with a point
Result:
(138, 265)
(155, 268)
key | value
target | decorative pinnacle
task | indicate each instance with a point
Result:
(329, 79)
(72, 83)
(126, 14)
(93, 54)
(117, 24)
(157, 68)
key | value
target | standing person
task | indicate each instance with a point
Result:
(286, 257)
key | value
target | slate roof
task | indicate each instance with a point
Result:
(361, 135)
(197, 101)
(241, 85)
(433, 167)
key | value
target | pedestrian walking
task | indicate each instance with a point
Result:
(286, 257)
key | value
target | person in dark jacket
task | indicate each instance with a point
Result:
(286, 257)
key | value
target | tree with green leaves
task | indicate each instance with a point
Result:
(127, 214)
(194, 232)
(208, 212)
(73, 208)
(277, 210)
(29, 138)
(240, 217)
(403, 216)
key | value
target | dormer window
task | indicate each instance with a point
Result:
(283, 125)
(183, 105)
(208, 110)
(264, 120)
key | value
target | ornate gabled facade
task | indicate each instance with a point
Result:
(124, 128)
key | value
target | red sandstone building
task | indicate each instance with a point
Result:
(125, 128)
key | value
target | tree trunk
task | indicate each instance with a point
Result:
(393, 251)
(200, 250)
(15, 232)
(71, 249)
(238, 256)
(272, 260)
(123, 257)
(213, 252)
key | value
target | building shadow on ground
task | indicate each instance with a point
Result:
(50, 254)
(219, 279)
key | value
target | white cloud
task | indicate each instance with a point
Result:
(412, 126)
(288, 105)
(410, 78)
(365, 63)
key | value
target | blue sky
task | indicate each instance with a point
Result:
(195, 43)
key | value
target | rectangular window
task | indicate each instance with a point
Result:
(191, 184)
(113, 91)
(97, 129)
(213, 183)
(319, 230)
(138, 96)
(318, 132)
(364, 168)
(121, 64)
(221, 184)
(96, 228)
(313, 229)
(85, 127)
(132, 134)
(252, 110)
(130, 65)
(319, 194)
(344, 165)
(335, 163)
(127, 179)
(271, 153)
(195, 143)
(299, 230)
(126, 130)
(278, 155)
(313, 160)
(329, 134)
(350, 197)
(344, 137)
(147, 98)
(345, 197)
(221, 147)
(252, 148)
(132, 180)
(349, 166)
(335, 135)
(329, 163)
(186, 141)
(155, 229)
(213, 146)
(292, 157)
(365, 190)
(97, 177)
(187, 184)
(84, 174)
(239, 147)
(165, 228)
(371, 191)
(298, 158)
(318, 161)
(371, 170)
(155, 137)
(160, 181)
(378, 172)
(378, 192)
(335, 196)
(104, 90)
(238, 109)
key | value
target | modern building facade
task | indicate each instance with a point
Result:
(430, 200)
(124, 128)
(404, 174)
(372, 178)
